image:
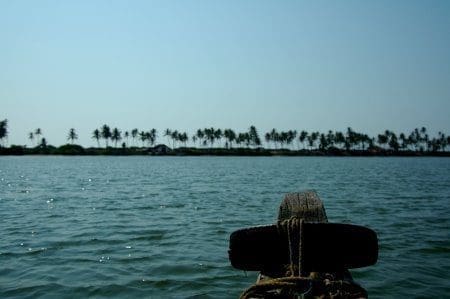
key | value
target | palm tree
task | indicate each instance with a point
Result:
(443, 141)
(350, 139)
(96, 135)
(244, 138)
(153, 133)
(72, 135)
(382, 140)
(314, 137)
(175, 137)
(151, 137)
(31, 137)
(230, 136)
(274, 136)
(126, 135)
(291, 135)
(268, 138)
(283, 138)
(254, 136)
(200, 135)
(183, 137)
(330, 138)
(3, 130)
(168, 134)
(393, 142)
(38, 133)
(116, 136)
(310, 141)
(339, 139)
(142, 137)
(302, 137)
(209, 135)
(413, 138)
(217, 135)
(134, 134)
(106, 134)
(323, 142)
(404, 140)
(423, 138)
(366, 139)
(148, 138)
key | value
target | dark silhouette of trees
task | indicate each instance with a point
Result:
(217, 135)
(350, 142)
(106, 134)
(230, 136)
(43, 143)
(210, 136)
(142, 137)
(97, 135)
(393, 141)
(152, 136)
(134, 134)
(3, 131)
(168, 134)
(330, 138)
(72, 136)
(38, 133)
(126, 135)
(267, 138)
(116, 136)
(382, 140)
(273, 136)
(254, 136)
(243, 138)
(404, 141)
(283, 138)
(200, 136)
(148, 137)
(302, 137)
(183, 138)
(174, 135)
(339, 139)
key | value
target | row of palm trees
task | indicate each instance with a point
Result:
(209, 136)
(36, 135)
(417, 140)
(115, 135)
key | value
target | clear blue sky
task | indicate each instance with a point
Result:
(315, 65)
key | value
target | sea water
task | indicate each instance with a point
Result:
(158, 227)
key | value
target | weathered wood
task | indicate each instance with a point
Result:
(304, 205)
(325, 251)
(327, 247)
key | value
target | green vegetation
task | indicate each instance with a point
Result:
(212, 141)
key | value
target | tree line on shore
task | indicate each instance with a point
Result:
(417, 140)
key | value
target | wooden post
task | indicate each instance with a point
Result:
(303, 205)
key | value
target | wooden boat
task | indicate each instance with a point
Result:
(303, 255)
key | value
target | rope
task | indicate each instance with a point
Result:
(287, 285)
(292, 283)
(292, 228)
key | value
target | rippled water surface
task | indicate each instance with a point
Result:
(158, 227)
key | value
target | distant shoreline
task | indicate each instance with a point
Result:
(163, 150)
